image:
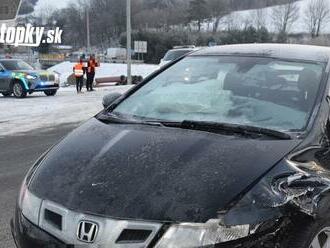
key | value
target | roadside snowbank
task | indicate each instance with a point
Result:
(105, 70)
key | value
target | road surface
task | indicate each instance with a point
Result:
(30, 126)
(17, 154)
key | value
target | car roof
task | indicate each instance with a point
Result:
(181, 49)
(284, 51)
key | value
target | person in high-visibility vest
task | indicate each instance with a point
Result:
(79, 72)
(91, 65)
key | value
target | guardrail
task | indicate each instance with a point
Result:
(110, 81)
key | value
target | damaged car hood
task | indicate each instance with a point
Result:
(153, 173)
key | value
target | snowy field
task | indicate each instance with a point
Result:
(39, 111)
(105, 70)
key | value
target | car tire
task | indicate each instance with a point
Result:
(50, 92)
(6, 94)
(18, 90)
(309, 233)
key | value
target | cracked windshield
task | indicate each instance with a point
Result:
(261, 92)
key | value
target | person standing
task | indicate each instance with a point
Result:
(78, 71)
(91, 65)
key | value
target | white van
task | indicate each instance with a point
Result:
(116, 53)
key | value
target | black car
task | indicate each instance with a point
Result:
(226, 147)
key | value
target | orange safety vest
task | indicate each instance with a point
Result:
(78, 70)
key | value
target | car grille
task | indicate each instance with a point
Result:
(47, 77)
(133, 236)
(43, 77)
(51, 77)
(64, 224)
(53, 218)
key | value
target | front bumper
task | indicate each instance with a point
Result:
(110, 231)
(27, 235)
(42, 86)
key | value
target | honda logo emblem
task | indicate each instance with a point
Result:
(87, 231)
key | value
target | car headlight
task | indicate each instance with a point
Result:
(196, 235)
(57, 77)
(29, 204)
(31, 77)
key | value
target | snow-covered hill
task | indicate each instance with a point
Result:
(46, 5)
(239, 19)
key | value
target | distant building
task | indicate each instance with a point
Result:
(8, 13)
(9, 9)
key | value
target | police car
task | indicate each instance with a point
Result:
(19, 78)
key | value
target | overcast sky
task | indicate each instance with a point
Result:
(56, 3)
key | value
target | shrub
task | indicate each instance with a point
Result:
(160, 42)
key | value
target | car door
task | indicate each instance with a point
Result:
(5, 77)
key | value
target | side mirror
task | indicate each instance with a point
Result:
(110, 98)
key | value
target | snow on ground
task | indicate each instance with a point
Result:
(105, 70)
(40, 111)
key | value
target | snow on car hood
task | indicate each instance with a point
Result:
(152, 173)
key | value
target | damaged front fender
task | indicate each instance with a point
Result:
(289, 187)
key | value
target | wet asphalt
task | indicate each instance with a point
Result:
(17, 154)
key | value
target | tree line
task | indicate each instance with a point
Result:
(165, 23)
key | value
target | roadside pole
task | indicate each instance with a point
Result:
(88, 30)
(129, 45)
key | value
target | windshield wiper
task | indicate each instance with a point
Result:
(199, 125)
(228, 128)
(111, 118)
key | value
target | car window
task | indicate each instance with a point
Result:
(262, 92)
(175, 54)
(13, 65)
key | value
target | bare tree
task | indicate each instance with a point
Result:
(258, 18)
(44, 12)
(317, 13)
(284, 16)
(234, 22)
(198, 12)
(218, 9)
